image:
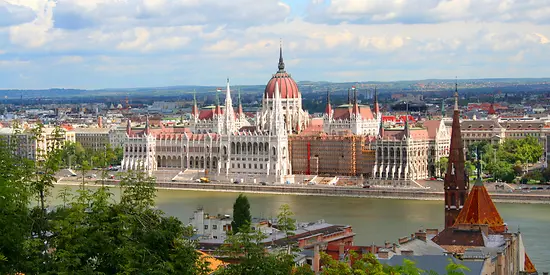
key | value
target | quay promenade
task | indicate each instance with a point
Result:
(332, 191)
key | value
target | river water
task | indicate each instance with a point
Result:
(373, 220)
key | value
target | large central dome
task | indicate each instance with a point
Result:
(287, 85)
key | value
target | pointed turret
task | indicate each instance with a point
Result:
(229, 112)
(355, 103)
(456, 181)
(240, 108)
(328, 108)
(479, 207)
(147, 130)
(281, 62)
(129, 127)
(381, 129)
(376, 106)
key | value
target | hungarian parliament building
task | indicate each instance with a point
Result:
(283, 141)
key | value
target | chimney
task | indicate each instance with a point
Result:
(432, 231)
(407, 253)
(403, 240)
(544, 273)
(394, 247)
(100, 122)
(421, 235)
(383, 254)
(387, 244)
(316, 259)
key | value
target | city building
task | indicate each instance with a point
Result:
(281, 83)
(353, 117)
(247, 154)
(34, 145)
(92, 138)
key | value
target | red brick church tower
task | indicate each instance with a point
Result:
(456, 182)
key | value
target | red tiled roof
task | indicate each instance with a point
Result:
(432, 126)
(480, 209)
(529, 266)
(287, 86)
(344, 112)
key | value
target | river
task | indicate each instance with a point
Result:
(373, 220)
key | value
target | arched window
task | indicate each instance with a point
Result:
(274, 151)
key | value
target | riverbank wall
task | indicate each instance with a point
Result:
(335, 191)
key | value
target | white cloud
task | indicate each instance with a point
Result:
(36, 33)
(543, 39)
(70, 59)
(140, 37)
(222, 46)
(163, 40)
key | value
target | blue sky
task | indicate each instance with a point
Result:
(143, 43)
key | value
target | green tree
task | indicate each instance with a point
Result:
(95, 235)
(442, 165)
(241, 213)
(286, 223)
(470, 168)
(503, 171)
(247, 249)
(16, 195)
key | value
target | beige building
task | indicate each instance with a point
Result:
(92, 138)
(32, 147)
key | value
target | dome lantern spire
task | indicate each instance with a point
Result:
(281, 62)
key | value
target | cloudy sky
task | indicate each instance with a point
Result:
(137, 43)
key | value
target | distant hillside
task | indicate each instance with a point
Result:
(503, 84)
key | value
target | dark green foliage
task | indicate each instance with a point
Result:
(241, 213)
(246, 248)
(15, 196)
(90, 233)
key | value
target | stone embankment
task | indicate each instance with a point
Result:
(310, 190)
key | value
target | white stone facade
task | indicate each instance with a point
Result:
(246, 155)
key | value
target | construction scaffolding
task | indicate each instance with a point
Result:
(331, 155)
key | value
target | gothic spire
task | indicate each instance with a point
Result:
(129, 127)
(240, 110)
(355, 103)
(456, 181)
(376, 106)
(281, 62)
(381, 129)
(147, 130)
(328, 108)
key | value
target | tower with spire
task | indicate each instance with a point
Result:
(456, 182)
(229, 115)
(294, 116)
(328, 108)
(195, 108)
